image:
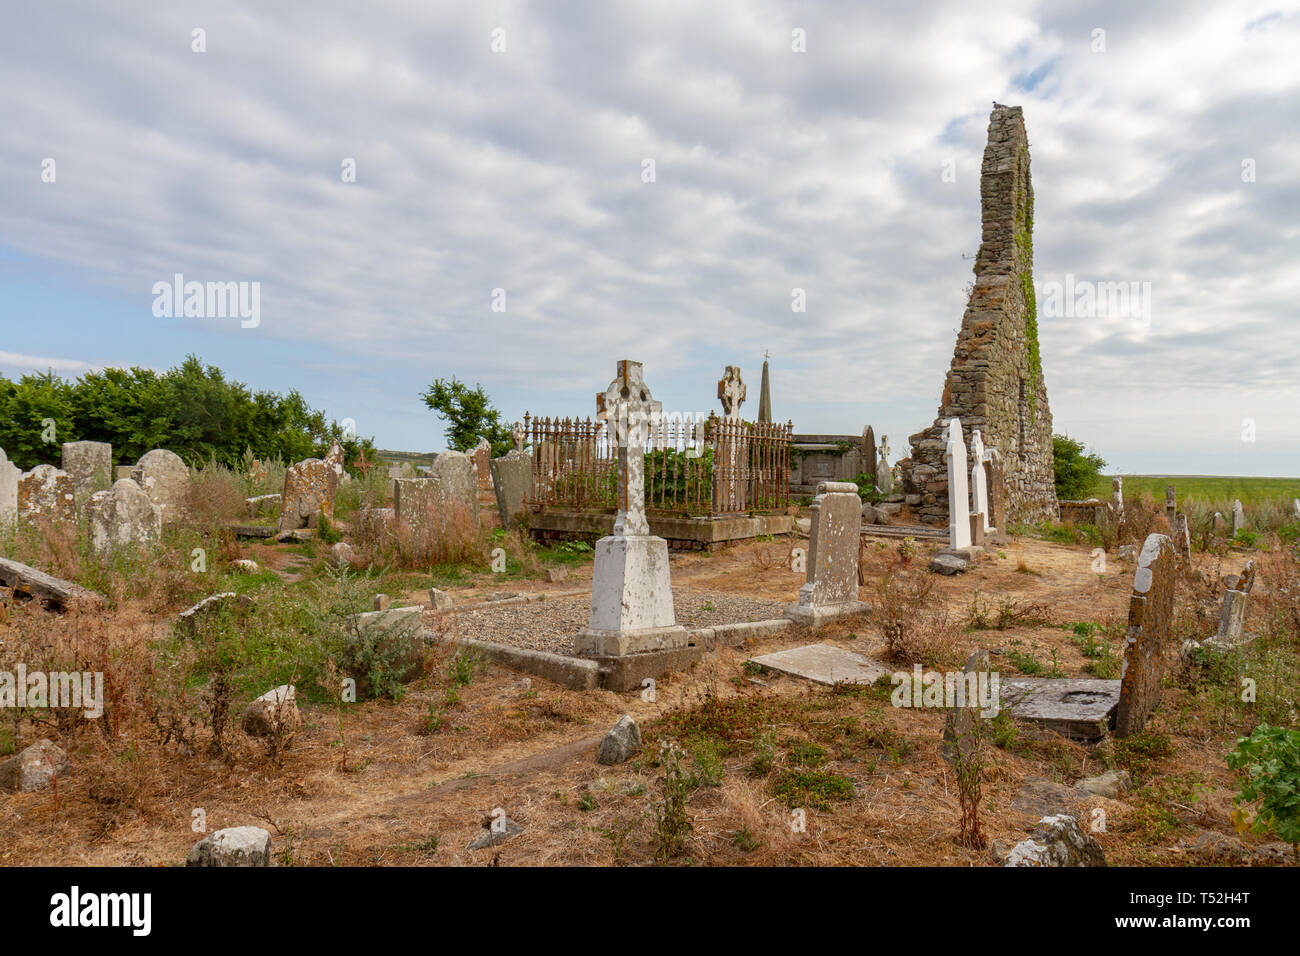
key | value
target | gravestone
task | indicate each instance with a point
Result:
(518, 436)
(822, 664)
(90, 466)
(884, 474)
(9, 479)
(46, 492)
(1117, 494)
(334, 458)
(962, 720)
(482, 458)
(165, 478)
(1182, 537)
(631, 592)
(765, 398)
(512, 480)
(1147, 641)
(869, 455)
(1238, 517)
(958, 497)
(831, 586)
(122, 516)
(731, 390)
(1171, 504)
(1220, 524)
(1295, 508)
(309, 488)
(979, 487)
(997, 491)
(1232, 616)
(731, 458)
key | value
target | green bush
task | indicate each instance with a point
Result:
(1271, 759)
(1076, 472)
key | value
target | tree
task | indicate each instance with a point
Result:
(469, 415)
(1076, 472)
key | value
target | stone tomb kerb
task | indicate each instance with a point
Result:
(995, 382)
(631, 593)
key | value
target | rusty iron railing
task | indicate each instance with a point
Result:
(713, 467)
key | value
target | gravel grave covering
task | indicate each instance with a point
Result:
(551, 624)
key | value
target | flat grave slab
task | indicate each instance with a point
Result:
(1075, 708)
(823, 664)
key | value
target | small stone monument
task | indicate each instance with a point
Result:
(1150, 616)
(122, 516)
(47, 492)
(731, 461)
(979, 487)
(1182, 538)
(631, 593)
(884, 474)
(1171, 504)
(958, 496)
(831, 588)
(165, 478)
(1238, 517)
(1232, 616)
(90, 466)
(731, 390)
(1117, 494)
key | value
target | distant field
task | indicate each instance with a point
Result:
(415, 458)
(1209, 487)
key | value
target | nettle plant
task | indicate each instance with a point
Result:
(1271, 759)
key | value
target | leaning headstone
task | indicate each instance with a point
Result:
(831, 587)
(228, 604)
(1238, 517)
(89, 464)
(9, 478)
(1117, 494)
(122, 516)
(1147, 641)
(962, 721)
(631, 591)
(46, 492)
(958, 496)
(979, 487)
(512, 481)
(1232, 615)
(165, 478)
(235, 846)
(34, 768)
(54, 592)
(1171, 504)
(457, 483)
(395, 636)
(309, 489)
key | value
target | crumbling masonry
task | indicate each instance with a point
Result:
(995, 382)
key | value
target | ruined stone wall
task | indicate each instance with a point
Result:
(995, 382)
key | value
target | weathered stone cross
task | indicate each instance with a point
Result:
(628, 405)
(732, 392)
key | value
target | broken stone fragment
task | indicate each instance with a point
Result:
(1057, 841)
(341, 554)
(275, 713)
(499, 830)
(1109, 784)
(945, 562)
(34, 768)
(623, 740)
(556, 575)
(439, 600)
(235, 846)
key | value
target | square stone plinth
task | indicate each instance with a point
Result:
(630, 588)
(815, 614)
(596, 642)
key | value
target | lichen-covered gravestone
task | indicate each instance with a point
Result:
(122, 516)
(9, 478)
(482, 458)
(447, 496)
(165, 478)
(631, 593)
(47, 492)
(309, 488)
(831, 587)
(90, 466)
(1147, 642)
(512, 480)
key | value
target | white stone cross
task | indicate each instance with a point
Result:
(979, 482)
(884, 449)
(631, 409)
(958, 495)
(732, 392)
(518, 436)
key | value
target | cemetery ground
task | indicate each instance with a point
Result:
(767, 770)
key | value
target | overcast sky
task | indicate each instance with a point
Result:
(1164, 151)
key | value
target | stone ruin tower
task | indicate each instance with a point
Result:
(995, 382)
